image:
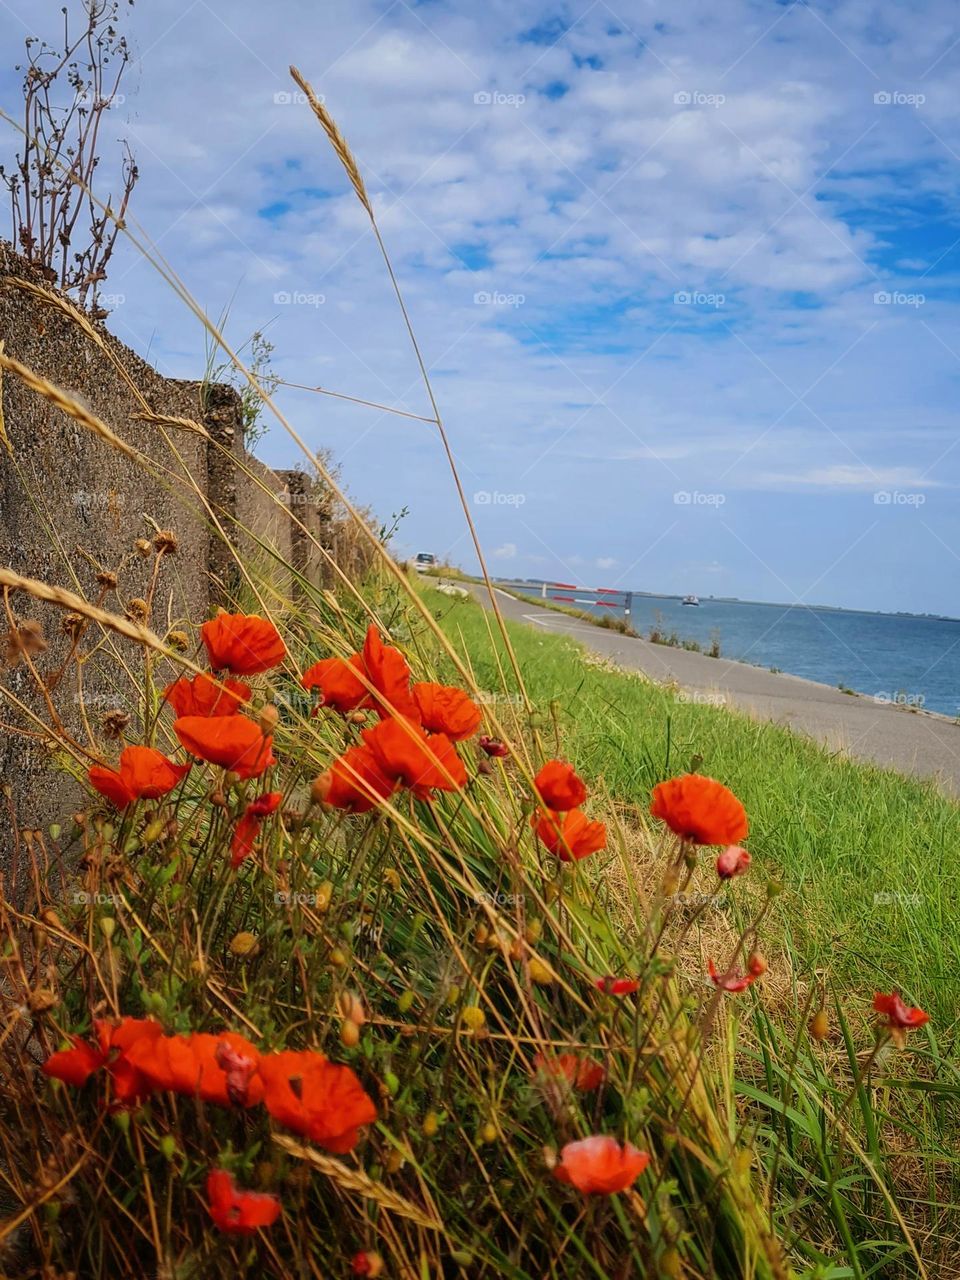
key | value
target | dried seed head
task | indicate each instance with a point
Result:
(178, 640)
(137, 610)
(166, 543)
(26, 638)
(107, 580)
(269, 715)
(349, 1034)
(142, 546)
(114, 724)
(72, 624)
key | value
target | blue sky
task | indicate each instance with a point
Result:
(686, 276)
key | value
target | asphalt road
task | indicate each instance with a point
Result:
(912, 742)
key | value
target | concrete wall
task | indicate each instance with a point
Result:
(71, 506)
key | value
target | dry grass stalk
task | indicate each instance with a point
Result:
(60, 400)
(4, 438)
(76, 316)
(337, 140)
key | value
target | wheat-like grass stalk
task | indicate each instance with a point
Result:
(76, 604)
(76, 316)
(66, 404)
(337, 140)
(357, 1182)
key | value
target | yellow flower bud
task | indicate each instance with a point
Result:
(431, 1123)
(489, 1132)
(349, 1034)
(540, 972)
(820, 1025)
(244, 944)
(473, 1017)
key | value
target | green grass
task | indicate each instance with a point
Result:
(867, 858)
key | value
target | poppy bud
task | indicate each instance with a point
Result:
(351, 1007)
(154, 830)
(540, 973)
(405, 1002)
(489, 1132)
(392, 877)
(168, 1147)
(756, 965)
(481, 934)
(394, 1162)
(269, 715)
(533, 931)
(357, 717)
(50, 917)
(107, 927)
(493, 746)
(55, 829)
(819, 1025)
(323, 896)
(349, 1034)
(320, 788)
(338, 958)
(483, 768)
(391, 1083)
(431, 1123)
(367, 1263)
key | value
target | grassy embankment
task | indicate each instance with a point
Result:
(867, 857)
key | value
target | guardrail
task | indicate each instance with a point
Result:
(560, 593)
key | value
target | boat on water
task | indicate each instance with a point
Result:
(690, 600)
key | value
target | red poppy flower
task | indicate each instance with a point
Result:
(734, 861)
(193, 1065)
(249, 824)
(418, 760)
(559, 786)
(242, 643)
(340, 685)
(570, 836)
(319, 1099)
(493, 746)
(354, 782)
(611, 986)
(600, 1166)
(445, 709)
(114, 1042)
(579, 1073)
(74, 1065)
(700, 809)
(235, 742)
(236, 1212)
(144, 774)
(732, 980)
(898, 1014)
(389, 674)
(205, 696)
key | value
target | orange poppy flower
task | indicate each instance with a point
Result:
(74, 1065)
(234, 742)
(579, 1073)
(570, 836)
(899, 1015)
(193, 1065)
(600, 1166)
(559, 786)
(387, 671)
(236, 1212)
(445, 709)
(700, 809)
(493, 746)
(249, 824)
(354, 782)
(114, 1042)
(204, 696)
(418, 760)
(340, 685)
(144, 774)
(242, 643)
(611, 986)
(732, 980)
(317, 1098)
